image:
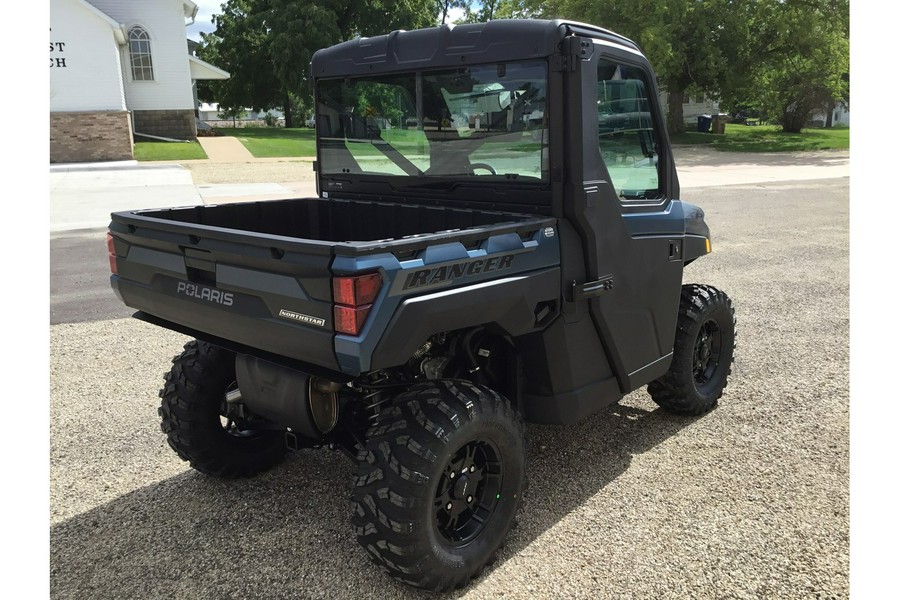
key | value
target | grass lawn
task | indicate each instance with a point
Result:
(767, 138)
(264, 142)
(301, 141)
(168, 151)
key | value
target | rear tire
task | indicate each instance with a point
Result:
(193, 400)
(703, 353)
(439, 482)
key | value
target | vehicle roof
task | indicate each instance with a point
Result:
(454, 45)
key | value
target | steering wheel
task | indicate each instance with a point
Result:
(484, 166)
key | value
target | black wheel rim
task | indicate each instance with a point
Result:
(468, 492)
(707, 353)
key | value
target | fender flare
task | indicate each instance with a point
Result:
(511, 303)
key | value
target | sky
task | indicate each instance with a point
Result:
(203, 21)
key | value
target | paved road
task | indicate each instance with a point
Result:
(79, 280)
(750, 501)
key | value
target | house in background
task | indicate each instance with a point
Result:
(211, 114)
(120, 70)
(692, 107)
(840, 116)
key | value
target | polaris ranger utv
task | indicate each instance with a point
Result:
(497, 238)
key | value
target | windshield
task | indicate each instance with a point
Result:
(484, 121)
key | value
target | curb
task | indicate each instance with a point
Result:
(125, 165)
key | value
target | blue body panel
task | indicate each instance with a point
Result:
(448, 266)
(669, 221)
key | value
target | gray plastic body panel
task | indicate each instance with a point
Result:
(452, 46)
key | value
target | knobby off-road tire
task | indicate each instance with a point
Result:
(192, 404)
(439, 483)
(703, 353)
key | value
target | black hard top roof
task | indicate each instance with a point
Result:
(454, 45)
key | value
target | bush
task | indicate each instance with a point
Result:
(270, 120)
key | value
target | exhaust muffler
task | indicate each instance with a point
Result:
(303, 402)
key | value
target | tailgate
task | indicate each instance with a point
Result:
(267, 292)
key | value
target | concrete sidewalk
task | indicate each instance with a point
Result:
(82, 196)
(225, 149)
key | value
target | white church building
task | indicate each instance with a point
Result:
(120, 70)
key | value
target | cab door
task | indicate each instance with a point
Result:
(624, 189)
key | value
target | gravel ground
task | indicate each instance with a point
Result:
(268, 171)
(749, 501)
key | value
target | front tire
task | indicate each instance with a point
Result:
(192, 413)
(703, 353)
(439, 482)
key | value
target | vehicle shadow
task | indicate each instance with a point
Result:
(286, 533)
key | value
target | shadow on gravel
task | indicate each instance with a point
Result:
(286, 533)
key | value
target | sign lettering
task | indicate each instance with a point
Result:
(57, 48)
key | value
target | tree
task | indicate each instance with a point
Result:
(692, 44)
(488, 10)
(267, 45)
(240, 46)
(482, 12)
(295, 30)
(800, 60)
(233, 113)
(444, 6)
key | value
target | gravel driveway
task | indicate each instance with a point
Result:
(749, 501)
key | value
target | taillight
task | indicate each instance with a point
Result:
(353, 298)
(356, 291)
(350, 320)
(111, 248)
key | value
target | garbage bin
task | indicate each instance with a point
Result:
(718, 124)
(703, 123)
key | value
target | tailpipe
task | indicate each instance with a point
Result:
(305, 403)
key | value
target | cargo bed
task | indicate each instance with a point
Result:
(323, 225)
(258, 275)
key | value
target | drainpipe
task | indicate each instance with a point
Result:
(157, 137)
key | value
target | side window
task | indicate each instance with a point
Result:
(626, 131)
(139, 51)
